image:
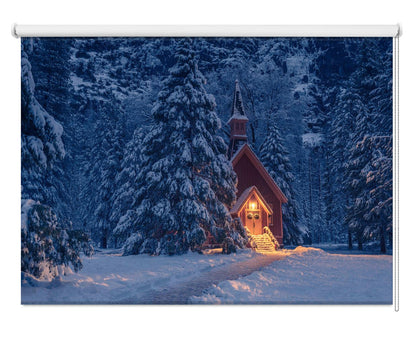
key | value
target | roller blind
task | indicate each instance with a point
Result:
(140, 140)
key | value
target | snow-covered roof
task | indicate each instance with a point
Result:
(237, 117)
(245, 195)
(240, 201)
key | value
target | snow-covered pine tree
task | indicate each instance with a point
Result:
(357, 167)
(102, 168)
(380, 178)
(369, 166)
(51, 72)
(48, 247)
(274, 157)
(346, 108)
(328, 223)
(368, 163)
(380, 96)
(126, 188)
(51, 69)
(42, 144)
(46, 244)
(187, 182)
(379, 202)
(356, 164)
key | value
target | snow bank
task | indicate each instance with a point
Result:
(302, 276)
(310, 276)
(108, 277)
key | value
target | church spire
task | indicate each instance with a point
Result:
(238, 107)
(237, 122)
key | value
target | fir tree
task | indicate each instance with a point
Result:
(369, 161)
(274, 157)
(46, 244)
(102, 169)
(126, 183)
(42, 145)
(187, 182)
(51, 70)
(355, 186)
(378, 213)
(381, 95)
(341, 134)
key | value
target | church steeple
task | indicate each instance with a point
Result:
(238, 107)
(238, 122)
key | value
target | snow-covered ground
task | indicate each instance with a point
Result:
(301, 275)
(108, 277)
(311, 276)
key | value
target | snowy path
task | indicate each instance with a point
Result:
(302, 275)
(109, 278)
(180, 293)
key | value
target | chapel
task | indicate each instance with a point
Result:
(259, 199)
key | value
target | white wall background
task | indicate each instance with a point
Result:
(17, 320)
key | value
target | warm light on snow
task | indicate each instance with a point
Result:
(310, 276)
(302, 275)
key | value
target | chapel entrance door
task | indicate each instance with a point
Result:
(253, 221)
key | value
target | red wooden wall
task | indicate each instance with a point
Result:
(248, 176)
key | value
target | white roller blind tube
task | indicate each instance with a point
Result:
(205, 31)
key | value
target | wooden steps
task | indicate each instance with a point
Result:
(263, 243)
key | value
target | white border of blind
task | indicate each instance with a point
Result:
(396, 139)
(206, 30)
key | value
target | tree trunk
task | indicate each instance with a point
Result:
(360, 242)
(310, 190)
(104, 239)
(104, 242)
(253, 134)
(383, 242)
(349, 240)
